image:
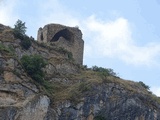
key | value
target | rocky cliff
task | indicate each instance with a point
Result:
(70, 92)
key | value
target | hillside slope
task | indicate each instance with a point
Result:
(69, 91)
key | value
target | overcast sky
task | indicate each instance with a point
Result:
(120, 34)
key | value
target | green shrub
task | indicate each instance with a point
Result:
(25, 42)
(85, 67)
(70, 56)
(99, 118)
(104, 71)
(144, 85)
(33, 65)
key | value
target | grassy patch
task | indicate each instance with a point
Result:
(81, 85)
(155, 98)
(9, 50)
(7, 35)
(44, 45)
(84, 87)
(60, 91)
(77, 91)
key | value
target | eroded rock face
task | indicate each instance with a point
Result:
(33, 108)
(109, 102)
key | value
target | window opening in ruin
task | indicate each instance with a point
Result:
(65, 33)
(41, 36)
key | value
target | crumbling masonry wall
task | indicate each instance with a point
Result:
(70, 38)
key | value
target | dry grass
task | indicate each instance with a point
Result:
(81, 85)
(7, 35)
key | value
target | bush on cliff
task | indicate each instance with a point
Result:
(144, 85)
(26, 42)
(104, 71)
(33, 65)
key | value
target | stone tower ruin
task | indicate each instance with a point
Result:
(70, 38)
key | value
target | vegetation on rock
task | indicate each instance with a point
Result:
(6, 50)
(19, 32)
(144, 85)
(104, 71)
(33, 65)
(64, 51)
(19, 29)
(26, 42)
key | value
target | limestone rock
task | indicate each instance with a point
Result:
(35, 110)
(10, 77)
(105, 104)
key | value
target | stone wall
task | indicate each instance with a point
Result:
(69, 38)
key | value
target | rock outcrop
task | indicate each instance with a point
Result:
(110, 102)
(71, 92)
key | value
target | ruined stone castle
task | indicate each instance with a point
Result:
(70, 38)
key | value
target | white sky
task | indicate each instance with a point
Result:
(122, 35)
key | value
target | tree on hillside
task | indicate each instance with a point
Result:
(19, 28)
(19, 31)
